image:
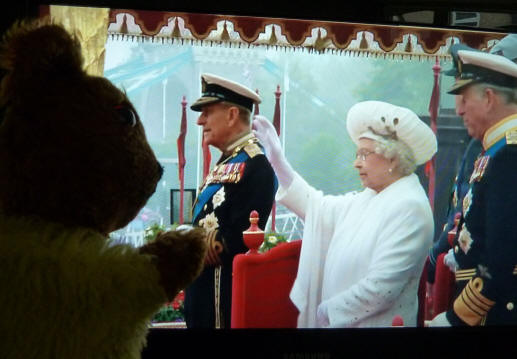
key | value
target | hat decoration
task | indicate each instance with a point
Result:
(379, 121)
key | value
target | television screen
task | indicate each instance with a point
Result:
(308, 72)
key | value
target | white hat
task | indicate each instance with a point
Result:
(476, 66)
(377, 120)
(217, 89)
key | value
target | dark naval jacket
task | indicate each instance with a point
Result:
(486, 244)
(460, 188)
(241, 181)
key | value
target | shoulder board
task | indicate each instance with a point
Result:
(253, 149)
(511, 137)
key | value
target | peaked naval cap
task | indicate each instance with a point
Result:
(217, 89)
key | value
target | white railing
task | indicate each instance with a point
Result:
(286, 223)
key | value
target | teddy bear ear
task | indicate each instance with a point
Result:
(126, 114)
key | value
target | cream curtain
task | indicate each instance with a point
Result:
(90, 25)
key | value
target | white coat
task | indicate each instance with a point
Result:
(362, 253)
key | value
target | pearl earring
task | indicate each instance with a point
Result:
(390, 170)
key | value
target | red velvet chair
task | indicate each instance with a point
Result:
(444, 279)
(422, 297)
(443, 288)
(262, 282)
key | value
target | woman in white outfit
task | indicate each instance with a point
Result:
(363, 252)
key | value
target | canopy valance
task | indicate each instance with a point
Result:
(318, 36)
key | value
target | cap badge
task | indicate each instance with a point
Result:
(511, 137)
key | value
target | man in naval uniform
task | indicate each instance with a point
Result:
(485, 248)
(506, 47)
(460, 186)
(241, 181)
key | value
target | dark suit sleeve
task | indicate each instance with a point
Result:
(461, 186)
(440, 246)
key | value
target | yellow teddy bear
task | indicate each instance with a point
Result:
(75, 165)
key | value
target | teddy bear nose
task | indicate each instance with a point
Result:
(127, 115)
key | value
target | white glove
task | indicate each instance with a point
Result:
(439, 321)
(266, 133)
(450, 261)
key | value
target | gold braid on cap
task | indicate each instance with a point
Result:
(391, 134)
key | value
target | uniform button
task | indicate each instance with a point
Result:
(456, 249)
(509, 306)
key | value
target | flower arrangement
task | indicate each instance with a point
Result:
(172, 311)
(271, 240)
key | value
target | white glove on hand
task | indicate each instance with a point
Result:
(439, 321)
(266, 133)
(450, 261)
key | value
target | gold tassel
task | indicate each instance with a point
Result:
(225, 36)
(321, 43)
(364, 44)
(409, 46)
(272, 39)
(175, 30)
(123, 28)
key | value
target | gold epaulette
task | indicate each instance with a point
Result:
(253, 149)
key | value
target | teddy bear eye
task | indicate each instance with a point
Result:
(126, 115)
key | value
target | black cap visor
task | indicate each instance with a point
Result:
(214, 93)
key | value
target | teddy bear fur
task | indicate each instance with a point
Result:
(75, 165)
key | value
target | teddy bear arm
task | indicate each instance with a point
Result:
(179, 257)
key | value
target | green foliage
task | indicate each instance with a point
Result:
(172, 311)
(271, 240)
(406, 82)
(323, 154)
(152, 231)
(168, 314)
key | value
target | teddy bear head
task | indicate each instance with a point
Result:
(72, 147)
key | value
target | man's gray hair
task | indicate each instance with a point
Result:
(244, 113)
(390, 148)
(508, 93)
